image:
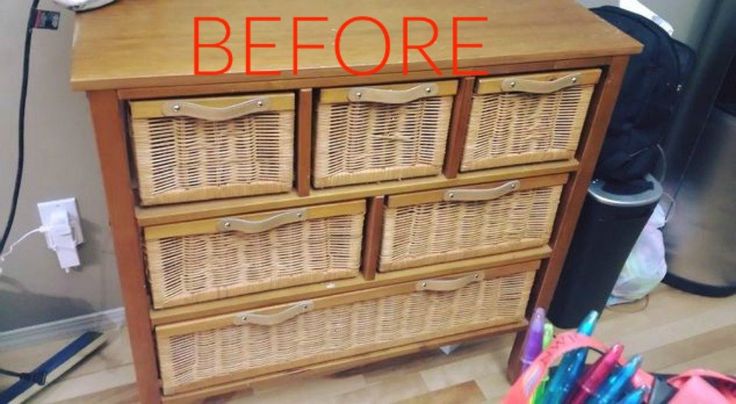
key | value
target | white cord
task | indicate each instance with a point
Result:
(40, 229)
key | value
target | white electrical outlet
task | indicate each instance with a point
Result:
(63, 230)
(46, 210)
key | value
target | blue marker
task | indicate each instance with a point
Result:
(571, 365)
(615, 384)
(635, 397)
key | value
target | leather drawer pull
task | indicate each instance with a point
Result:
(258, 226)
(470, 195)
(368, 94)
(288, 313)
(192, 110)
(449, 285)
(539, 86)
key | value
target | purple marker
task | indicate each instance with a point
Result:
(533, 343)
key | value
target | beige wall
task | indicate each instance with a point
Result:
(688, 17)
(60, 162)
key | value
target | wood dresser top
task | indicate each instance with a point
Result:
(144, 43)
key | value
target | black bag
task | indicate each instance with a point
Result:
(649, 94)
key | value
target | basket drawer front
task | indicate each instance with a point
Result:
(247, 344)
(212, 259)
(369, 134)
(527, 119)
(207, 148)
(446, 225)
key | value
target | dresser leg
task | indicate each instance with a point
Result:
(513, 367)
(108, 120)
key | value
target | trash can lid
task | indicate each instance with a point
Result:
(644, 198)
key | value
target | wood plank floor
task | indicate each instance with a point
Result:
(673, 330)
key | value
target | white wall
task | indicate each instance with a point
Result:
(61, 161)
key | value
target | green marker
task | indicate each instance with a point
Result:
(549, 332)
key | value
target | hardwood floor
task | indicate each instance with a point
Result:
(674, 331)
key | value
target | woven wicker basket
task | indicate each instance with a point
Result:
(212, 259)
(195, 149)
(371, 134)
(447, 225)
(527, 119)
(248, 344)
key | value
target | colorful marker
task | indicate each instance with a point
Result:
(533, 343)
(549, 333)
(571, 365)
(615, 384)
(597, 374)
(635, 397)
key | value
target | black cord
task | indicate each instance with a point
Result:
(21, 153)
(21, 125)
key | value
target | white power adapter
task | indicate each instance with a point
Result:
(61, 226)
(60, 238)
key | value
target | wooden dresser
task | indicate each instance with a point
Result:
(274, 226)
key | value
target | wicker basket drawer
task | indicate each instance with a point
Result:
(241, 345)
(452, 224)
(208, 148)
(527, 119)
(212, 259)
(370, 134)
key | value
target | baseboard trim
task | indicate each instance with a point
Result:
(66, 328)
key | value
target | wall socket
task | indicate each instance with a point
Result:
(46, 210)
(63, 230)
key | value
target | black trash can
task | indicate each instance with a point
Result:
(609, 226)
